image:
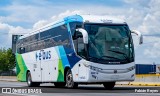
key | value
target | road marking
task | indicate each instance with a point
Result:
(145, 94)
(20, 94)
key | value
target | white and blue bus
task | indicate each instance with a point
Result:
(79, 49)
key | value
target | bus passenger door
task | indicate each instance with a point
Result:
(81, 52)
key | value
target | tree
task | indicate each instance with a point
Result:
(7, 59)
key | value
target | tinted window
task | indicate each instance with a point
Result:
(62, 36)
(27, 44)
(74, 25)
(54, 37)
(49, 38)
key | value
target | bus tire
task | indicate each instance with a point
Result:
(29, 81)
(60, 84)
(109, 85)
(69, 80)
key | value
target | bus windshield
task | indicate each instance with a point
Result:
(110, 43)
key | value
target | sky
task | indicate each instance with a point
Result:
(23, 16)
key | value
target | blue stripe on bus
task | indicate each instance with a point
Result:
(67, 60)
(72, 57)
(62, 56)
(57, 50)
(68, 19)
(73, 18)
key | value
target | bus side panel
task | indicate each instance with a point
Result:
(20, 68)
(33, 65)
(67, 58)
(50, 64)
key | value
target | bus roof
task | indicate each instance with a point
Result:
(78, 18)
(96, 19)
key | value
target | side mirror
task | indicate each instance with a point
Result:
(140, 36)
(85, 35)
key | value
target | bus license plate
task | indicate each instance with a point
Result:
(115, 77)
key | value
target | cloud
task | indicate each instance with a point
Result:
(8, 29)
(150, 26)
(153, 52)
(138, 3)
(54, 18)
(6, 32)
(40, 23)
(29, 12)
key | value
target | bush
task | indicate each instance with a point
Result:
(7, 59)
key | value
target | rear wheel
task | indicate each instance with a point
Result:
(69, 80)
(109, 85)
(29, 81)
(59, 84)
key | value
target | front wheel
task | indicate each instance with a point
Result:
(69, 80)
(109, 85)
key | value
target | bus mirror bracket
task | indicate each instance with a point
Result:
(85, 35)
(140, 36)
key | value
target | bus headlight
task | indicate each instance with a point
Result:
(90, 67)
(131, 68)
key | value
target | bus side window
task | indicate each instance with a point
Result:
(80, 45)
(73, 26)
(77, 34)
(74, 36)
(22, 50)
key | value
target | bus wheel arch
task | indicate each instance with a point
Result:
(29, 79)
(65, 72)
(30, 83)
(62, 84)
(27, 74)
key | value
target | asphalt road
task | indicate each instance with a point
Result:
(19, 89)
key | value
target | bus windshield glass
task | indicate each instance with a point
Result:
(110, 43)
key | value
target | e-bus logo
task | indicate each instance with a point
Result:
(43, 55)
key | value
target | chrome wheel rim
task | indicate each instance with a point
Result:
(29, 80)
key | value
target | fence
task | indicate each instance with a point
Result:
(8, 73)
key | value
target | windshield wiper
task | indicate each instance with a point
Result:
(95, 58)
(111, 57)
(124, 55)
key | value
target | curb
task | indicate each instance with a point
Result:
(139, 83)
(144, 84)
(8, 78)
